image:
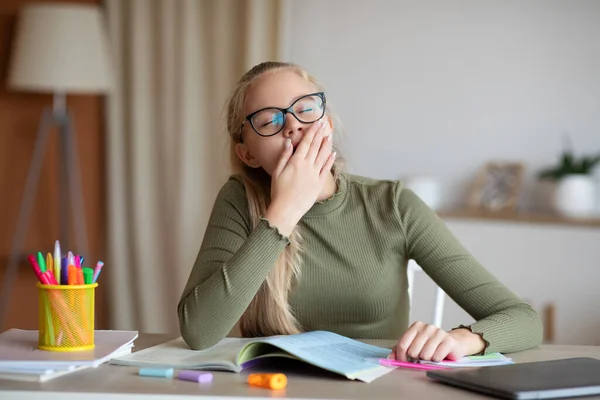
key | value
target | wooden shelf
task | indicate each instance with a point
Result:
(523, 217)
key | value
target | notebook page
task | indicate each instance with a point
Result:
(334, 353)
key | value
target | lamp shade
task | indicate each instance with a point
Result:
(60, 47)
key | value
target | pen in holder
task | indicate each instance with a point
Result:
(66, 317)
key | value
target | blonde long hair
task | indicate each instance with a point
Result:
(269, 312)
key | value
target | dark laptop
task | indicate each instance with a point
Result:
(570, 377)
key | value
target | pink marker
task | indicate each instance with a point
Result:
(77, 261)
(97, 270)
(49, 278)
(402, 364)
(35, 267)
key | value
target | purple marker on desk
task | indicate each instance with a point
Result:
(195, 376)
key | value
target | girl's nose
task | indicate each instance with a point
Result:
(292, 127)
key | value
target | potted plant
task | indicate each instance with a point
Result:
(575, 193)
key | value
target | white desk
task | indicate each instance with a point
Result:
(118, 382)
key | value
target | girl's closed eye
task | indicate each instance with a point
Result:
(275, 119)
(306, 110)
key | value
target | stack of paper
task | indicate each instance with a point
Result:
(20, 359)
(488, 360)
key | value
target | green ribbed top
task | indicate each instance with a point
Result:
(353, 280)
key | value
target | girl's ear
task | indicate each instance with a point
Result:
(244, 154)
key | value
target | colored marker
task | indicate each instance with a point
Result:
(35, 266)
(88, 275)
(57, 262)
(72, 275)
(156, 372)
(70, 258)
(394, 363)
(97, 270)
(80, 278)
(268, 381)
(41, 262)
(49, 278)
(49, 263)
(64, 271)
(195, 376)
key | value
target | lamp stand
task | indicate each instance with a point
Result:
(69, 192)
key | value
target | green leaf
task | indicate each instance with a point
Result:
(569, 164)
(567, 160)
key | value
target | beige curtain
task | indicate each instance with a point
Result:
(175, 61)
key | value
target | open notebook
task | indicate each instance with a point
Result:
(326, 350)
(20, 359)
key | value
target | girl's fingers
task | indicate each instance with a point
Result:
(324, 151)
(284, 158)
(307, 139)
(317, 143)
(417, 345)
(455, 354)
(432, 344)
(328, 164)
(392, 355)
(442, 351)
(405, 342)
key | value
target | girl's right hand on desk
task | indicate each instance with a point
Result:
(428, 342)
(300, 176)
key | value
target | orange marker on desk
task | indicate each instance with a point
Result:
(268, 381)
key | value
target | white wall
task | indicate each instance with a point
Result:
(442, 86)
(439, 87)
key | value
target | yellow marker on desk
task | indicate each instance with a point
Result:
(268, 381)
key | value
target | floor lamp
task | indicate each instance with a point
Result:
(59, 48)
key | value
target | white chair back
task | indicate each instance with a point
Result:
(438, 309)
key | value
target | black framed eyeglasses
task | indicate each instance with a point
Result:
(270, 121)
